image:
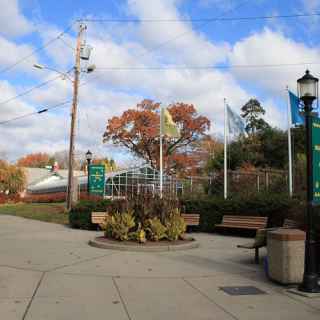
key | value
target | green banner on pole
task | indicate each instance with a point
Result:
(316, 158)
(96, 179)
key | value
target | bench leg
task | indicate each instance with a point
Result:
(256, 256)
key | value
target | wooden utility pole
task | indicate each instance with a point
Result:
(77, 71)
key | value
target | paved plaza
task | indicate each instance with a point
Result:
(49, 271)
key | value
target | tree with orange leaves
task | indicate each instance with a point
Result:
(12, 178)
(138, 130)
(35, 160)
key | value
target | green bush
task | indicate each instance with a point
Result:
(175, 226)
(119, 226)
(80, 215)
(155, 229)
(276, 207)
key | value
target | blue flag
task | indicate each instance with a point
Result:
(295, 106)
(235, 122)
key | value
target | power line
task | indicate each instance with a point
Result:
(30, 90)
(48, 43)
(162, 44)
(46, 109)
(42, 84)
(67, 44)
(151, 68)
(285, 16)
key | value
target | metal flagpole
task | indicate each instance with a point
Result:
(289, 144)
(161, 153)
(225, 151)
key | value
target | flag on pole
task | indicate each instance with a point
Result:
(295, 106)
(169, 127)
(236, 124)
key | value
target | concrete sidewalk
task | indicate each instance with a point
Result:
(48, 271)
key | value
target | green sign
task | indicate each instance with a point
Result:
(96, 179)
(316, 158)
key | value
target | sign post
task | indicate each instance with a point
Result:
(96, 179)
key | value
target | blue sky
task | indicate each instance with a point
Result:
(28, 24)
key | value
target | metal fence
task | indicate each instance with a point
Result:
(148, 180)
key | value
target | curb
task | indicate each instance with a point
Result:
(140, 248)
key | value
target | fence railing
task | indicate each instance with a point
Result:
(239, 182)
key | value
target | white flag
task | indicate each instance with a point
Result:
(236, 124)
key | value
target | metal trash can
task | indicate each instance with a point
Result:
(286, 248)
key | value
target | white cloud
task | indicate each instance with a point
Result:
(268, 48)
(61, 51)
(11, 52)
(12, 21)
(178, 41)
(30, 134)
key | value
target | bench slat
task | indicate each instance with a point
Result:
(191, 219)
(98, 217)
(245, 218)
(243, 222)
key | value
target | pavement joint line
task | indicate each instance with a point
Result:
(79, 262)
(121, 298)
(209, 299)
(291, 296)
(85, 274)
(20, 268)
(281, 291)
(33, 296)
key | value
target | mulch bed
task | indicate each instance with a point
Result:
(146, 244)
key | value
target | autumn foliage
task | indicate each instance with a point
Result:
(138, 130)
(12, 178)
(35, 160)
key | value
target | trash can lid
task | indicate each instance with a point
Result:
(287, 235)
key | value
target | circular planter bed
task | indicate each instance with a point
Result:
(149, 246)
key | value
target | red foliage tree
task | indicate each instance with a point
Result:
(138, 130)
(35, 160)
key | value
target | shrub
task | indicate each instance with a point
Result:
(56, 197)
(155, 229)
(12, 178)
(45, 198)
(139, 235)
(175, 226)
(148, 206)
(9, 198)
(276, 207)
(80, 215)
(119, 225)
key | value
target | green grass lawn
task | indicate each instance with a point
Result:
(49, 212)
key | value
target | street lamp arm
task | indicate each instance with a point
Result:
(64, 74)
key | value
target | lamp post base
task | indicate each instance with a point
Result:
(310, 284)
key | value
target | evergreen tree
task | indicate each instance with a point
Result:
(252, 113)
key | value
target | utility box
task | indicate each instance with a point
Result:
(286, 249)
(85, 51)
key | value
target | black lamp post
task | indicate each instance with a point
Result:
(89, 158)
(308, 92)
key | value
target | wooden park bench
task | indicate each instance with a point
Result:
(261, 238)
(99, 218)
(191, 219)
(243, 222)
